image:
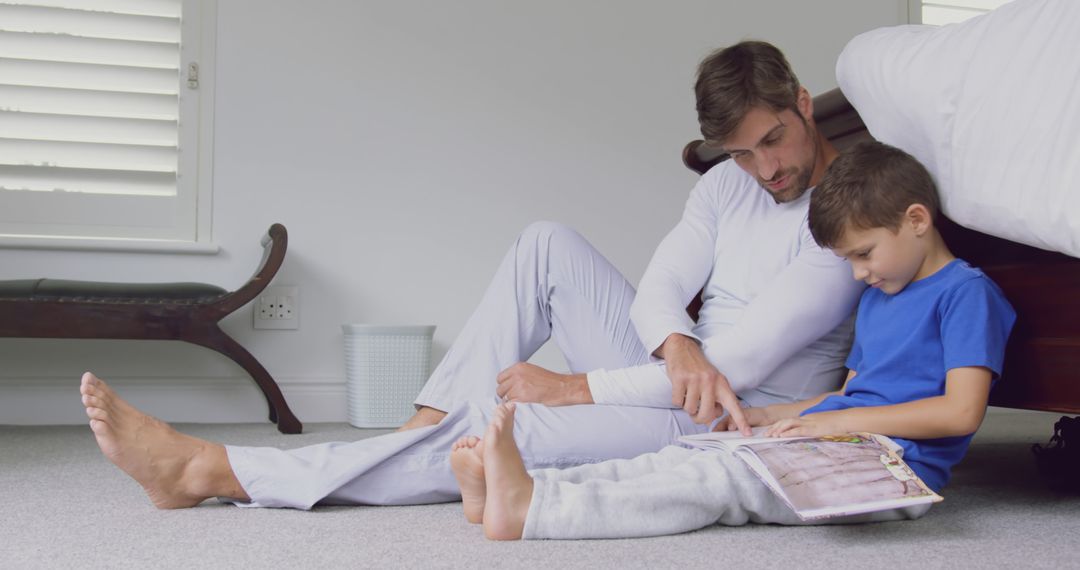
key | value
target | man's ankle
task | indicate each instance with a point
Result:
(424, 416)
(209, 474)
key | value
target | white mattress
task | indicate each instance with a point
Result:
(991, 106)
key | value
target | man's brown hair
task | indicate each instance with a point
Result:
(733, 79)
(870, 185)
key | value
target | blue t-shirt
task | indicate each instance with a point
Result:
(905, 344)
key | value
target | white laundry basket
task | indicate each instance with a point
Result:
(386, 367)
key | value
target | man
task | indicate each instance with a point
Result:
(773, 328)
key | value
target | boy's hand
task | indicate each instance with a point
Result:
(812, 425)
(754, 416)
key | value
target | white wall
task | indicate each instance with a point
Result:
(404, 144)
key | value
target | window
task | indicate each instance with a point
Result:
(105, 116)
(941, 12)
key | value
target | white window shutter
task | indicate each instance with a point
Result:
(98, 126)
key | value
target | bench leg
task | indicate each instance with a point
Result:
(216, 339)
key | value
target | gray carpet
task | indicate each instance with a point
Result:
(64, 505)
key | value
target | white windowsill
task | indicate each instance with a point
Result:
(106, 244)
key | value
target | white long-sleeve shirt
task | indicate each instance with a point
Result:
(778, 309)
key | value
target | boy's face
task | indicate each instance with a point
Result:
(883, 258)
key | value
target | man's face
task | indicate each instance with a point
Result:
(779, 149)
(883, 258)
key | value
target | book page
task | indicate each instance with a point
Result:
(836, 475)
(730, 440)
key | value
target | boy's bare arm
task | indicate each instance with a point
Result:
(771, 414)
(959, 412)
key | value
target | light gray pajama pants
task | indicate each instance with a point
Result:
(551, 284)
(672, 491)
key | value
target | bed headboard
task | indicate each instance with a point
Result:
(1042, 363)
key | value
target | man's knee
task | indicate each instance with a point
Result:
(545, 231)
(551, 238)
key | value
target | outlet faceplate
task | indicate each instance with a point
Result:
(277, 307)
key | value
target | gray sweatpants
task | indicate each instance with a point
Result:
(674, 490)
(413, 467)
(552, 284)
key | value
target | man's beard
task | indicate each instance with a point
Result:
(800, 182)
(800, 177)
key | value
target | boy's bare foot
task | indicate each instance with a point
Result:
(509, 487)
(467, 461)
(423, 417)
(176, 470)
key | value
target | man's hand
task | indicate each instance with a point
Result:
(697, 386)
(524, 382)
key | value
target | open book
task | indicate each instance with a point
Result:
(826, 476)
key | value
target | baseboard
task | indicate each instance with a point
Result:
(56, 401)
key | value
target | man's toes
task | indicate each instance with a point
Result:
(89, 380)
(85, 387)
(89, 389)
(97, 414)
(97, 385)
(105, 391)
(90, 401)
(99, 427)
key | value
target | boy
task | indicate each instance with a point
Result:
(930, 338)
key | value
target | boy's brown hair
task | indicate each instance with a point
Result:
(732, 80)
(870, 185)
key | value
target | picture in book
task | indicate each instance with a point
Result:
(827, 476)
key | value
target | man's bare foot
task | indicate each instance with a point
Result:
(176, 470)
(423, 417)
(509, 487)
(467, 461)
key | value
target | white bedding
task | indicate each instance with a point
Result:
(991, 106)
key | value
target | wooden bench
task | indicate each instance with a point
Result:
(53, 308)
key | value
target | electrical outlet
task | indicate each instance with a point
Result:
(277, 308)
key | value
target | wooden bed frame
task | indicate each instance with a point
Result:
(1042, 361)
